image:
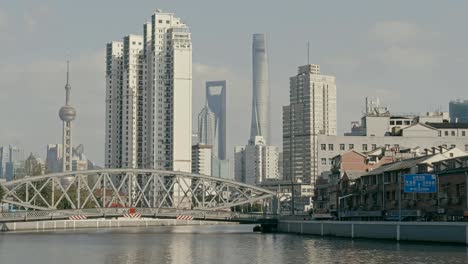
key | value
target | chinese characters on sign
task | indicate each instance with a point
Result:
(420, 183)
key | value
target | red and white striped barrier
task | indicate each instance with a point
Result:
(132, 215)
(78, 217)
(184, 217)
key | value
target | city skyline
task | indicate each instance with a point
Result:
(390, 34)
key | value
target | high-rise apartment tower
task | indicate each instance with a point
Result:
(311, 112)
(149, 97)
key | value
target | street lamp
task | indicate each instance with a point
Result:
(339, 204)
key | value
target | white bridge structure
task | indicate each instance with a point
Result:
(113, 191)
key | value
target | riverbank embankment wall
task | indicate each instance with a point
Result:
(449, 232)
(100, 223)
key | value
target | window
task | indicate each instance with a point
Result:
(407, 122)
(364, 147)
(453, 133)
(324, 161)
(460, 190)
(446, 133)
(392, 123)
(351, 146)
(330, 161)
(330, 147)
(399, 122)
(463, 133)
(342, 146)
(374, 146)
(323, 146)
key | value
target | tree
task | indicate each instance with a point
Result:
(2, 192)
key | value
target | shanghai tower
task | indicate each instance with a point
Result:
(260, 125)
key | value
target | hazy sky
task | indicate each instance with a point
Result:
(411, 54)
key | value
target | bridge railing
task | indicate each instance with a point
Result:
(145, 212)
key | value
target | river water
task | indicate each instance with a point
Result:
(210, 244)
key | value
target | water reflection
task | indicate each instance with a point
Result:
(211, 244)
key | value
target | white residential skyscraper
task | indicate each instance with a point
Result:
(256, 162)
(149, 97)
(260, 125)
(201, 159)
(67, 114)
(311, 112)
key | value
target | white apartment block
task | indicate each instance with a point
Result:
(239, 164)
(114, 93)
(256, 162)
(201, 159)
(149, 97)
(311, 112)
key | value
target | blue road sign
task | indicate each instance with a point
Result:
(420, 183)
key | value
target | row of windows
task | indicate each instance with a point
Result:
(452, 133)
(323, 161)
(365, 147)
(400, 122)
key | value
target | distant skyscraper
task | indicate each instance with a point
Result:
(239, 163)
(216, 99)
(15, 163)
(256, 162)
(67, 114)
(149, 97)
(54, 158)
(201, 159)
(34, 166)
(4, 158)
(260, 125)
(311, 112)
(458, 111)
(207, 128)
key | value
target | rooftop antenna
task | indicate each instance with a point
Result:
(308, 52)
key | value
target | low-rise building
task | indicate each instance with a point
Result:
(423, 137)
(303, 193)
(453, 191)
(348, 167)
(380, 191)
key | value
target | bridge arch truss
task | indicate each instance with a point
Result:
(129, 188)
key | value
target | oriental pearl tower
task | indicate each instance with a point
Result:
(67, 114)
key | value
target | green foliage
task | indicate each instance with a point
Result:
(2, 192)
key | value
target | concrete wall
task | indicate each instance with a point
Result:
(100, 223)
(405, 231)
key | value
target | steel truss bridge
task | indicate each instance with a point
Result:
(112, 192)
